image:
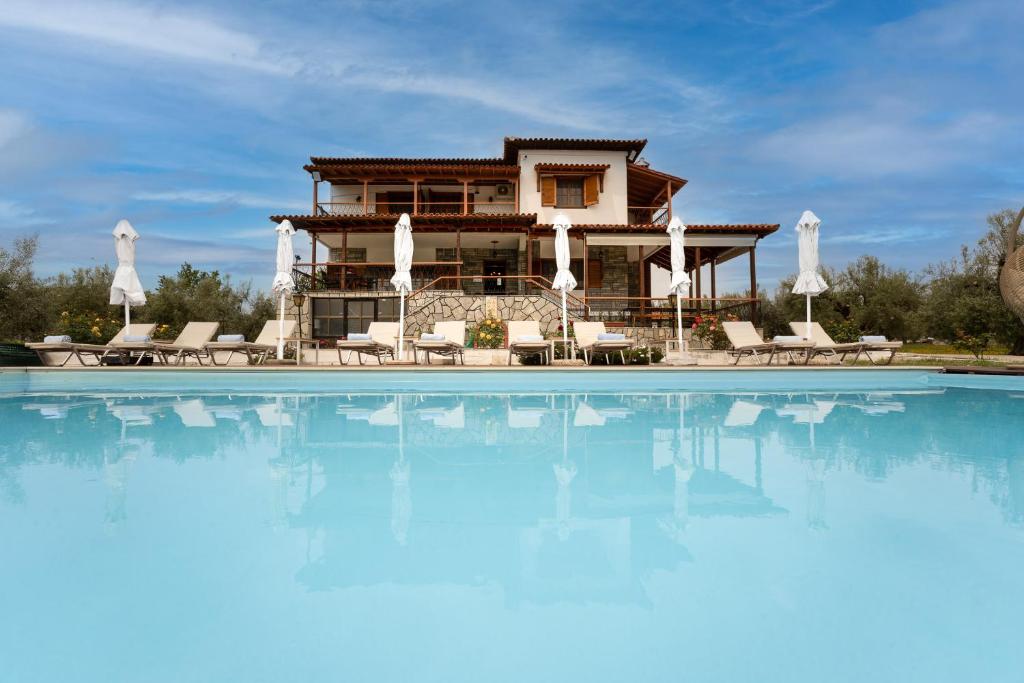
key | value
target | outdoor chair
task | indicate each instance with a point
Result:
(747, 342)
(526, 341)
(190, 342)
(823, 344)
(381, 343)
(447, 340)
(257, 351)
(97, 351)
(589, 340)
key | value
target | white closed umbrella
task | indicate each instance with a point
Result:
(808, 282)
(283, 282)
(680, 280)
(564, 280)
(126, 288)
(402, 279)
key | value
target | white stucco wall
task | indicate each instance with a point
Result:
(611, 206)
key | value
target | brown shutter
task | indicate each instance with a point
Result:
(595, 273)
(590, 190)
(548, 191)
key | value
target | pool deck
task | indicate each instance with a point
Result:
(659, 367)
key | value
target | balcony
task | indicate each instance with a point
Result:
(450, 208)
(648, 215)
(373, 277)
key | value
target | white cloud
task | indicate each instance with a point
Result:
(253, 201)
(149, 28)
(14, 215)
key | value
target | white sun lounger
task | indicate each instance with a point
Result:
(381, 344)
(452, 345)
(522, 341)
(191, 342)
(97, 351)
(747, 342)
(589, 343)
(256, 351)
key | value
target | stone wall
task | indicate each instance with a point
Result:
(430, 307)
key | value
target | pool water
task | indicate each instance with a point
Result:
(778, 526)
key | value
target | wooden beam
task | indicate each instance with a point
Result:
(529, 253)
(344, 257)
(312, 259)
(465, 197)
(366, 196)
(668, 198)
(714, 289)
(754, 312)
(515, 194)
(643, 283)
(586, 260)
(415, 197)
(696, 279)
(315, 202)
(458, 257)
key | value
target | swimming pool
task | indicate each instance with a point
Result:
(476, 526)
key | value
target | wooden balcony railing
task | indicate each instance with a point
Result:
(642, 311)
(424, 207)
(371, 277)
(648, 215)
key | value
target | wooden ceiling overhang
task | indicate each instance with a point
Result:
(647, 187)
(341, 173)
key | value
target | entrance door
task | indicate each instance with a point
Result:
(495, 281)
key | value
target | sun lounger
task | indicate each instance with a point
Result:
(97, 351)
(526, 341)
(589, 340)
(823, 344)
(747, 342)
(452, 344)
(883, 345)
(382, 341)
(190, 342)
(256, 352)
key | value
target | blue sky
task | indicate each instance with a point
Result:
(901, 124)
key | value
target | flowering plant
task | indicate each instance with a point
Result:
(489, 334)
(88, 328)
(707, 329)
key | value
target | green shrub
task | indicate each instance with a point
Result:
(489, 334)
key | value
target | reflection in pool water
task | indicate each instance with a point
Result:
(601, 536)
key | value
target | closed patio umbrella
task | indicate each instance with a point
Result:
(402, 279)
(808, 282)
(126, 288)
(680, 280)
(564, 280)
(283, 282)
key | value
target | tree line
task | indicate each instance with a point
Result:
(77, 303)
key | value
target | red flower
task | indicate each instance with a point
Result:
(693, 326)
(699, 320)
(714, 327)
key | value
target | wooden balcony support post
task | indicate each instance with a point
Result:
(458, 258)
(515, 195)
(643, 283)
(312, 258)
(344, 259)
(668, 198)
(415, 197)
(714, 289)
(754, 312)
(586, 271)
(366, 201)
(465, 197)
(696, 279)
(316, 203)
(529, 253)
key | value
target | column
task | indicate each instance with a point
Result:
(465, 197)
(714, 289)
(586, 266)
(316, 186)
(643, 284)
(312, 258)
(344, 259)
(755, 314)
(458, 257)
(668, 198)
(415, 197)
(366, 200)
(696, 279)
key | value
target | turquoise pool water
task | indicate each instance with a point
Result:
(777, 526)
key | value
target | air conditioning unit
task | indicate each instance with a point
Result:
(503, 189)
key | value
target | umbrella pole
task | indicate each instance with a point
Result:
(280, 330)
(679, 322)
(808, 336)
(565, 327)
(127, 315)
(401, 321)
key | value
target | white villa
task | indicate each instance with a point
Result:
(485, 243)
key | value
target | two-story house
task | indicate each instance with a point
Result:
(484, 242)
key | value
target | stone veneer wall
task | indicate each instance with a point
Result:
(428, 308)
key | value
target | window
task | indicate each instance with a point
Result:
(355, 255)
(339, 317)
(569, 193)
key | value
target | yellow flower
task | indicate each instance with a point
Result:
(95, 330)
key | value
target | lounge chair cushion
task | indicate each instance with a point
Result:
(231, 337)
(787, 338)
(57, 339)
(432, 336)
(359, 336)
(527, 338)
(873, 338)
(611, 336)
(137, 338)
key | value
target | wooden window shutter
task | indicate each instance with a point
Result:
(595, 273)
(590, 190)
(548, 191)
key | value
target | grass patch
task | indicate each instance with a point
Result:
(946, 349)
(933, 362)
